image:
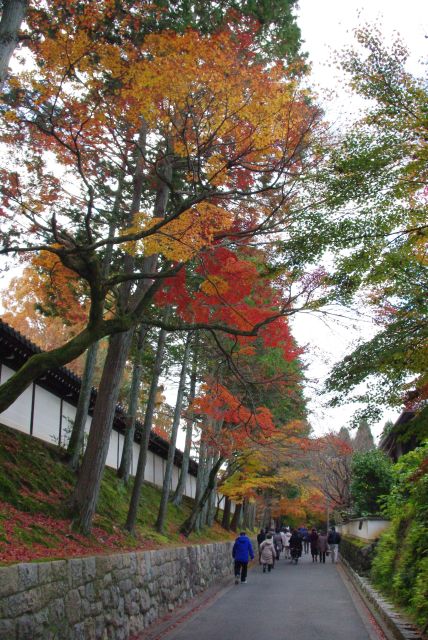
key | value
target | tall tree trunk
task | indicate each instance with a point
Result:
(145, 435)
(89, 481)
(85, 496)
(202, 461)
(11, 19)
(212, 500)
(218, 506)
(268, 518)
(246, 514)
(160, 522)
(75, 444)
(225, 521)
(125, 463)
(181, 486)
(202, 518)
(251, 514)
(188, 526)
(236, 517)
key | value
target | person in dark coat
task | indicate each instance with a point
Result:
(261, 537)
(322, 545)
(313, 539)
(295, 543)
(333, 540)
(304, 536)
(242, 552)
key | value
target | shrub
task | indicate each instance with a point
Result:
(400, 566)
(371, 479)
(384, 561)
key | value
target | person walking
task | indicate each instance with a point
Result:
(283, 538)
(306, 540)
(304, 536)
(295, 545)
(333, 540)
(322, 545)
(277, 542)
(313, 541)
(241, 553)
(261, 537)
(287, 536)
(267, 553)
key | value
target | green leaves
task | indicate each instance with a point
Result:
(371, 479)
(376, 178)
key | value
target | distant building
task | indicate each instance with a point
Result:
(406, 434)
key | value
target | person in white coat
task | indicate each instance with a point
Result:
(286, 535)
(267, 553)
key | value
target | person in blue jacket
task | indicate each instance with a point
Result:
(241, 553)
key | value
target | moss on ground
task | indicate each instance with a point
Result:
(35, 487)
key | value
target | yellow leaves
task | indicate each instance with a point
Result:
(181, 238)
(214, 285)
(10, 116)
(216, 170)
(420, 249)
(67, 49)
(56, 274)
(194, 86)
(218, 108)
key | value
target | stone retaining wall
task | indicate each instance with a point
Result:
(358, 554)
(394, 625)
(105, 597)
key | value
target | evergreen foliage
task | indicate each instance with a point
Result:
(400, 567)
(371, 480)
(363, 440)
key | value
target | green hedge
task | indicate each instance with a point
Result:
(400, 566)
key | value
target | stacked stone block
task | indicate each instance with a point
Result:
(111, 597)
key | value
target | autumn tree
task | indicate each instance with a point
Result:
(46, 303)
(329, 458)
(219, 155)
(80, 154)
(273, 23)
(252, 405)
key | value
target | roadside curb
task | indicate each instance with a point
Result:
(394, 625)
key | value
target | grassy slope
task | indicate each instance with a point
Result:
(34, 524)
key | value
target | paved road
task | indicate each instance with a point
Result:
(304, 602)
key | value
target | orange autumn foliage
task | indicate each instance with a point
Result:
(44, 305)
(226, 120)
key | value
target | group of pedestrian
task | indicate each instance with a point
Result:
(271, 543)
(321, 544)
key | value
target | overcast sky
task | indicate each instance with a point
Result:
(328, 26)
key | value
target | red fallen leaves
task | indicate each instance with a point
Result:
(53, 497)
(62, 541)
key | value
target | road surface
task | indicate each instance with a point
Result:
(307, 601)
